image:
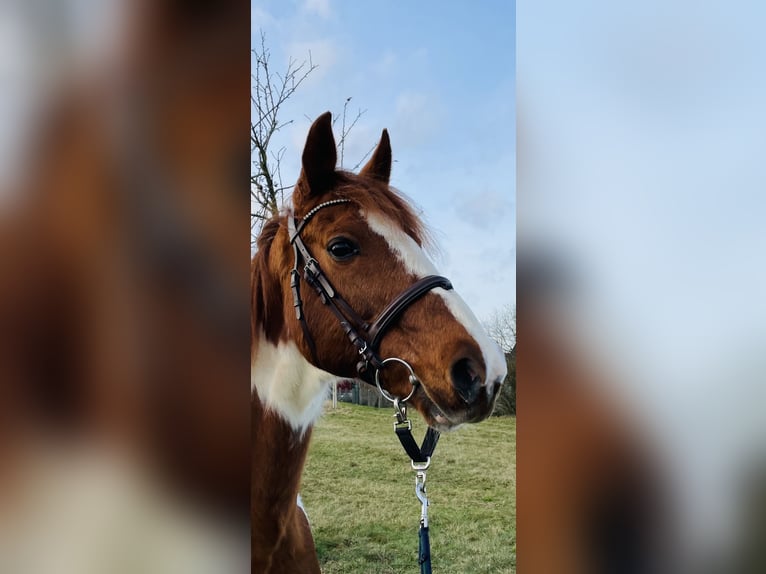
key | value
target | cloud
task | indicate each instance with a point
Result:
(482, 208)
(323, 53)
(318, 7)
(260, 19)
(482, 268)
(417, 117)
(387, 64)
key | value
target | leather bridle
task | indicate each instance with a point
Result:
(365, 336)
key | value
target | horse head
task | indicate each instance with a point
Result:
(368, 246)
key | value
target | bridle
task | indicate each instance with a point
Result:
(365, 336)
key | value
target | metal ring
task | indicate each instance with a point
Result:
(413, 380)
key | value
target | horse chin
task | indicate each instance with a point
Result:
(444, 420)
(435, 416)
(441, 423)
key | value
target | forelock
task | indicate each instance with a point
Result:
(373, 196)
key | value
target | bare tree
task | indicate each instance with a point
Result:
(345, 129)
(501, 326)
(270, 91)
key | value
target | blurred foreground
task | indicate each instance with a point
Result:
(641, 308)
(124, 236)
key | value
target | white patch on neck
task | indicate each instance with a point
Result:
(299, 502)
(417, 262)
(288, 384)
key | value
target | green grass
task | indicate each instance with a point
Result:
(358, 489)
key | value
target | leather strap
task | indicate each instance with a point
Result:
(350, 322)
(404, 300)
(295, 285)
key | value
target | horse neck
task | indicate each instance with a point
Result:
(278, 456)
(284, 381)
(287, 395)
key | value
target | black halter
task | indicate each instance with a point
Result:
(363, 335)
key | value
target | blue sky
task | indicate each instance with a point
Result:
(441, 77)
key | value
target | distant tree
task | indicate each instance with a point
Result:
(501, 326)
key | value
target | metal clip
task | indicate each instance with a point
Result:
(420, 493)
(311, 268)
(400, 412)
(405, 423)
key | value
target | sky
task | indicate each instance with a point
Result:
(440, 76)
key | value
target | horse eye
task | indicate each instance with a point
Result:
(342, 249)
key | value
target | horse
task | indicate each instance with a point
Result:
(339, 280)
(591, 495)
(124, 292)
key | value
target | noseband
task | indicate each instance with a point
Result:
(365, 336)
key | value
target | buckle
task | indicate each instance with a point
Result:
(402, 424)
(311, 267)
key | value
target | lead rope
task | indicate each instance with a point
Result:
(420, 458)
(424, 543)
(403, 429)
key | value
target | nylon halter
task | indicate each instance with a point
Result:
(365, 336)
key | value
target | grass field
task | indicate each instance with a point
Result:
(358, 489)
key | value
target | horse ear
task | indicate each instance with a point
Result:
(379, 165)
(319, 158)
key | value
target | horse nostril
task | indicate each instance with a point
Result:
(466, 379)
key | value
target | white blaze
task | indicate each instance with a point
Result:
(417, 262)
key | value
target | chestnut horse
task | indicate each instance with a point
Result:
(363, 244)
(591, 495)
(124, 301)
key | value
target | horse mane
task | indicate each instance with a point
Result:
(265, 294)
(268, 233)
(372, 195)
